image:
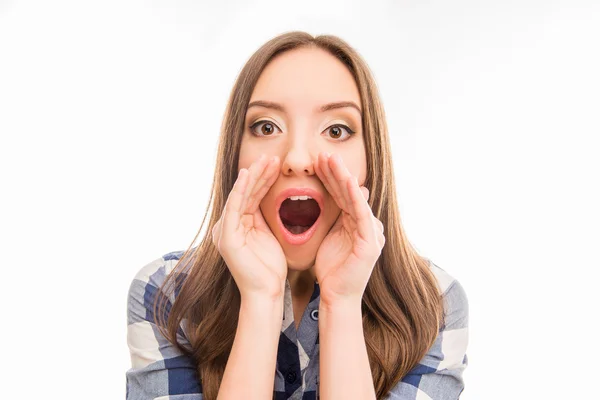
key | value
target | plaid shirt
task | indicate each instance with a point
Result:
(160, 371)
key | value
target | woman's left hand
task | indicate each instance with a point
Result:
(348, 253)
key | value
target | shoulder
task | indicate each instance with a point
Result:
(156, 271)
(439, 374)
(159, 368)
(142, 294)
(456, 302)
(450, 347)
(146, 284)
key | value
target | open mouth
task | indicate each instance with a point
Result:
(299, 213)
(298, 216)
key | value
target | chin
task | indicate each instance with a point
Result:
(299, 258)
(302, 257)
(300, 265)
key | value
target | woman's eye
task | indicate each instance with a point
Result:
(268, 128)
(337, 131)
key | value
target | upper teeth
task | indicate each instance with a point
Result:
(299, 197)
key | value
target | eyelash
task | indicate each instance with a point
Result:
(257, 123)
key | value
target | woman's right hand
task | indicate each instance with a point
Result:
(250, 250)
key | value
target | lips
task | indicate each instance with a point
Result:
(301, 238)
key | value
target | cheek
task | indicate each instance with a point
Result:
(355, 160)
(267, 205)
(245, 160)
(247, 155)
(359, 170)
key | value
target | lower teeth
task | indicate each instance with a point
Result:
(296, 229)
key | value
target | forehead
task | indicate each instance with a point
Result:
(304, 79)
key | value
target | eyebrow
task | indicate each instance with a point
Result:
(323, 108)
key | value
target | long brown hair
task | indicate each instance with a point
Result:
(402, 307)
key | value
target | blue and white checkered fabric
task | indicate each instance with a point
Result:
(160, 371)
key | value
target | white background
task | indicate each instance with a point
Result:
(109, 119)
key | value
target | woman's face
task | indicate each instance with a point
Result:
(301, 81)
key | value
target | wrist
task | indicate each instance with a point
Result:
(340, 305)
(266, 295)
(261, 303)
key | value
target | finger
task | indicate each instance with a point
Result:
(349, 221)
(259, 221)
(334, 187)
(232, 211)
(379, 224)
(255, 171)
(264, 183)
(339, 222)
(362, 211)
(216, 233)
(341, 176)
(321, 160)
(381, 239)
(365, 192)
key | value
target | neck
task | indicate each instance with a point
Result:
(301, 281)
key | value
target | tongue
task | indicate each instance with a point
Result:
(299, 212)
(296, 229)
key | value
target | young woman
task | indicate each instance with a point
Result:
(305, 285)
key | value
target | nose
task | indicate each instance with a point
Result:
(298, 161)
